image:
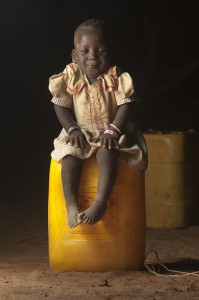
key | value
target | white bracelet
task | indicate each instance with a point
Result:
(111, 132)
(73, 128)
(116, 128)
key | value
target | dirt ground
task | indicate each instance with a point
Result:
(25, 273)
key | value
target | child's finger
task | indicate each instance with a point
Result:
(116, 144)
(81, 142)
(109, 143)
(71, 141)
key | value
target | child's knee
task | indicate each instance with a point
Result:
(107, 155)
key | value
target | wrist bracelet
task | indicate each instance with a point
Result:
(116, 128)
(73, 128)
(111, 132)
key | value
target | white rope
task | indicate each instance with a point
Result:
(151, 268)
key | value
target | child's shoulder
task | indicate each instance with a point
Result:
(72, 69)
(120, 81)
(117, 71)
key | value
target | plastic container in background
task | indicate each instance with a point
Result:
(115, 243)
(172, 179)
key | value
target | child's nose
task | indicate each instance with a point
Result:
(92, 54)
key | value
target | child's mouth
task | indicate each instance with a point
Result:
(92, 66)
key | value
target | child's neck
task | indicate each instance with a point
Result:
(91, 79)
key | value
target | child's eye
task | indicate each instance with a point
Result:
(84, 51)
(102, 50)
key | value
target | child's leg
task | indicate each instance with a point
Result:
(107, 174)
(71, 173)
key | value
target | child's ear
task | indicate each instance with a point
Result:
(73, 55)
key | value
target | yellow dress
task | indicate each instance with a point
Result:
(95, 106)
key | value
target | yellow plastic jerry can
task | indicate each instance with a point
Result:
(117, 242)
(172, 186)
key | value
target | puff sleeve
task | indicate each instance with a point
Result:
(125, 89)
(57, 87)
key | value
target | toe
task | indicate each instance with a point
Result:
(80, 218)
(86, 220)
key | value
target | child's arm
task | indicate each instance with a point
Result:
(122, 117)
(66, 119)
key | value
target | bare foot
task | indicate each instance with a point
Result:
(93, 214)
(72, 213)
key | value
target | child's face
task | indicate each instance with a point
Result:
(91, 53)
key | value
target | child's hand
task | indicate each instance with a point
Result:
(109, 140)
(77, 138)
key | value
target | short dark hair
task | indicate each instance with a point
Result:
(90, 24)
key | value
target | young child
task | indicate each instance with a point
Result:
(92, 101)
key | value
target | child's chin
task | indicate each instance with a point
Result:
(92, 75)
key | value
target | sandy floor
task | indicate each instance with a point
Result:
(25, 273)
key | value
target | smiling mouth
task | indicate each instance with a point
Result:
(92, 66)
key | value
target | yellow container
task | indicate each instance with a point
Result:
(172, 186)
(117, 242)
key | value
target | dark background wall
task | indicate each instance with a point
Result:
(157, 44)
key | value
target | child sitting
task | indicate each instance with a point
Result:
(93, 100)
